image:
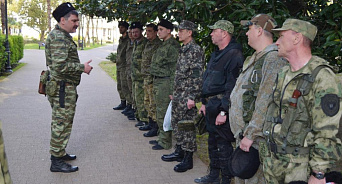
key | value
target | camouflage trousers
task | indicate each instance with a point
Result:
(184, 137)
(120, 83)
(62, 120)
(149, 103)
(161, 92)
(128, 95)
(285, 168)
(139, 99)
(5, 176)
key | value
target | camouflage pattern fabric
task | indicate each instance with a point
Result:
(120, 67)
(187, 85)
(5, 176)
(128, 73)
(63, 61)
(148, 52)
(137, 79)
(253, 130)
(314, 128)
(163, 67)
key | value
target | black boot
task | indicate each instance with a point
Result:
(140, 124)
(212, 178)
(153, 131)
(148, 126)
(178, 155)
(225, 149)
(68, 157)
(121, 106)
(130, 114)
(186, 164)
(58, 165)
(128, 108)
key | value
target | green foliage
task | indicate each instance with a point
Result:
(325, 14)
(112, 57)
(3, 54)
(16, 45)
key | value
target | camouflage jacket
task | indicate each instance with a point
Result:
(62, 57)
(150, 48)
(136, 59)
(129, 52)
(121, 52)
(319, 123)
(164, 60)
(270, 68)
(189, 69)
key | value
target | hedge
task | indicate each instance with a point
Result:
(16, 45)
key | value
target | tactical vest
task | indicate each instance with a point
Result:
(252, 89)
(297, 122)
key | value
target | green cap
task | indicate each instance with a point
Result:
(224, 25)
(300, 26)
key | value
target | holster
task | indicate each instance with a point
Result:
(62, 94)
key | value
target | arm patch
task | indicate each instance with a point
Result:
(330, 104)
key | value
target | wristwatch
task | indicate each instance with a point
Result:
(318, 175)
(222, 113)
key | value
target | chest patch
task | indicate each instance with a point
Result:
(330, 104)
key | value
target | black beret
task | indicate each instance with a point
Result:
(136, 25)
(244, 164)
(62, 10)
(124, 24)
(166, 24)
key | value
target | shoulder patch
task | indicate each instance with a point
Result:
(330, 104)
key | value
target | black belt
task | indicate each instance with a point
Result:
(157, 77)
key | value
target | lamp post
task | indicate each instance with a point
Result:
(8, 68)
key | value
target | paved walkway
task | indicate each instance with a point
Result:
(109, 148)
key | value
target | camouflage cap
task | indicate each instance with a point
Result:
(300, 26)
(185, 24)
(263, 20)
(224, 25)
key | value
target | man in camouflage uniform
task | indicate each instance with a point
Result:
(120, 65)
(150, 48)
(5, 176)
(303, 116)
(65, 75)
(163, 68)
(248, 100)
(129, 110)
(186, 89)
(137, 78)
(218, 82)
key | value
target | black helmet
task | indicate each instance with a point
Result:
(244, 164)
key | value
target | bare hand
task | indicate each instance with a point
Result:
(87, 67)
(245, 144)
(171, 97)
(220, 120)
(202, 109)
(313, 180)
(190, 104)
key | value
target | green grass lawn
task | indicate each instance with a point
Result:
(110, 68)
(36, 46)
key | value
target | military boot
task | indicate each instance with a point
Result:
(212, 178)
(59, 165)
(121, 106)
(178, 155)
(153, 131)
(186, 164)
(148, 126)
(128, 108)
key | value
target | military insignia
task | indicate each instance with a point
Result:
(330, 104)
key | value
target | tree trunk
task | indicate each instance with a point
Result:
(42, 35)
(49, 13)
(3, 26)
(92, 31)
(87, 31)
(96, 28)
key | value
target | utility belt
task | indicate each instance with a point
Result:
(209, 97)
(294, 150)
(157, 77)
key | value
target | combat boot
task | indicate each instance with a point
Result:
(68, 157)
(225, 180)
(128, 108)
(212, 178)
(121, 106)
(148, 126)
(178, 155)
(153, 132)
(59, 165)
(186, 164)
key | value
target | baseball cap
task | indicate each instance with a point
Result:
(224, 25)
(62, 10)
(185, 24)
(304, 27)
(263, 20)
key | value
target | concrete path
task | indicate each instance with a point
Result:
(109, 148)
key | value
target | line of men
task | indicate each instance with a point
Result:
(276, 101)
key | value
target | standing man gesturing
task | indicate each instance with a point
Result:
(65, 74)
